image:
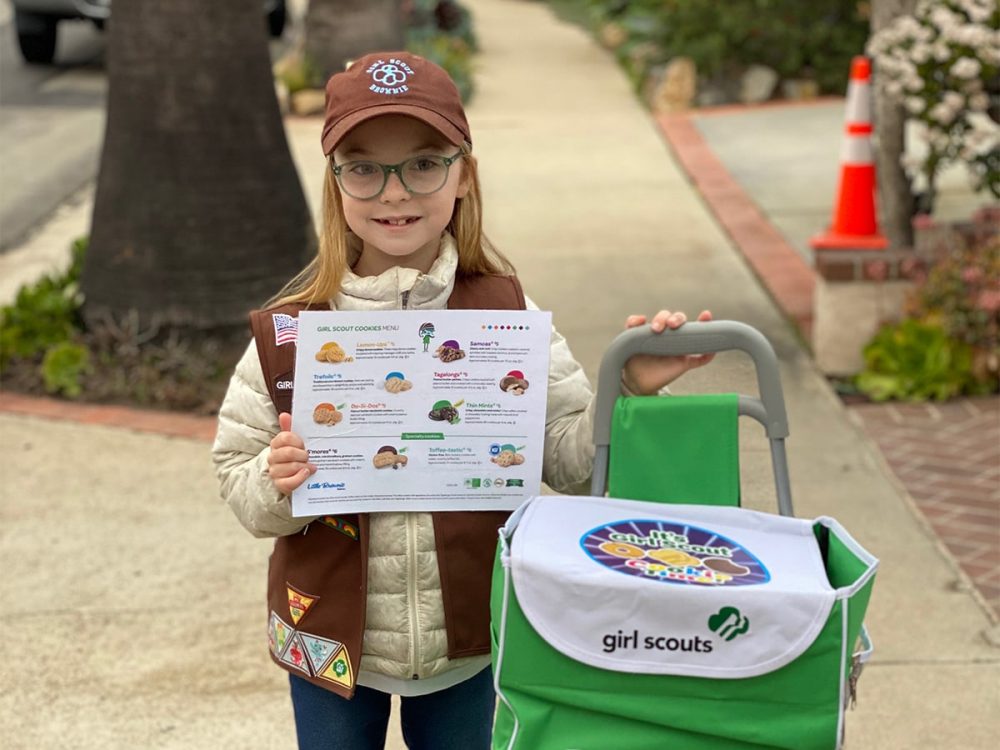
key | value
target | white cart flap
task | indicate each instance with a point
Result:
(668, 589)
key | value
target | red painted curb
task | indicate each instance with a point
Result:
(782, 271)
(142, 420)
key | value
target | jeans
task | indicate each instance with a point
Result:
(457, 718)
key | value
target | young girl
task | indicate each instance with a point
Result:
(365, 606)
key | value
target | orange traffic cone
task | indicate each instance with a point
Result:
(855, 226)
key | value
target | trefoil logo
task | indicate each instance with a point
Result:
(728, 622)
(389, 77)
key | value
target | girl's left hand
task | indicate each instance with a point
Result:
(645, 374)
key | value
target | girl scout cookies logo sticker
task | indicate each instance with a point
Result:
(673, 553)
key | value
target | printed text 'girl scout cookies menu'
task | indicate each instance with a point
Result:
(420, 410)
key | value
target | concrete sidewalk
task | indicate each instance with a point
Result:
(788, 158)
(133, 601)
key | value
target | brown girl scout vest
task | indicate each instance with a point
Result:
(318, 578)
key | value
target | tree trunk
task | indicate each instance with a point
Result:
(894, 189)
(199, 214)
(338, 31)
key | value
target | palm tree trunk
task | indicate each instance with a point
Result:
(894, 190)
(199, 214)
(338, 31)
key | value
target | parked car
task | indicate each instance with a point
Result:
(37, 22)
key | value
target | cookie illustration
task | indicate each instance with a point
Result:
(722, 565)
(507, 458)
(397, 385)
(449, 351)
(443, 414)
(514, 383)
(327, 414)
(673, 557)
(621, 549)
(445, 411)
(388, 456)
(331, 351)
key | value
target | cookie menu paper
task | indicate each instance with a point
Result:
(420, 410)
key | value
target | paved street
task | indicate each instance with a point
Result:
(51, 125)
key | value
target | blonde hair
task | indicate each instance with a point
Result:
(320, 281)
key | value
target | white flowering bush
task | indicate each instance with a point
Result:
(942, 63)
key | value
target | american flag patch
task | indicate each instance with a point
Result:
(286, 329)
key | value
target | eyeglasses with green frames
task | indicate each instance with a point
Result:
(420, 175)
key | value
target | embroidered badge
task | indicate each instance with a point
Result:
(339, 524)
(389, 77)
(339, 670)
(295, 655)
(298, 603)
(286, 329)
(319, 651)
(278, 633)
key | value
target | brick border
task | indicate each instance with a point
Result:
(173, 424)
(778, 266)
(947, 458)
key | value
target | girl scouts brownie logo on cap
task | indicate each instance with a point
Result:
(673, 553)
(389, 77)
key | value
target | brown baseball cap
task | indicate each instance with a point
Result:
(387, 83)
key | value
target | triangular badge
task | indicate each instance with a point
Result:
(295, 655)
(298, 603)
(278, 633)
(319, 651)
(339, 670)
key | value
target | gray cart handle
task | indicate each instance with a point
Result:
(698, 338)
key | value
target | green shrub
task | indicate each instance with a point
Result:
(43, 314)
(445, 17)
(451, 53)
(64, 367)
(957, 287)
(915, 361)
(441, 31)
(47, 349)
(961, 291)
(797, 38)
(298, 72)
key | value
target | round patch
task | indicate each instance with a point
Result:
(673, 553)
(389, 75)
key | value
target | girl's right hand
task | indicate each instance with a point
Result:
(288, 462)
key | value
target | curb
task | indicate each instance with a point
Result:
(789, 280)
(172, 424)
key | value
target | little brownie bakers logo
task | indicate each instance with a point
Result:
(673, 553)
